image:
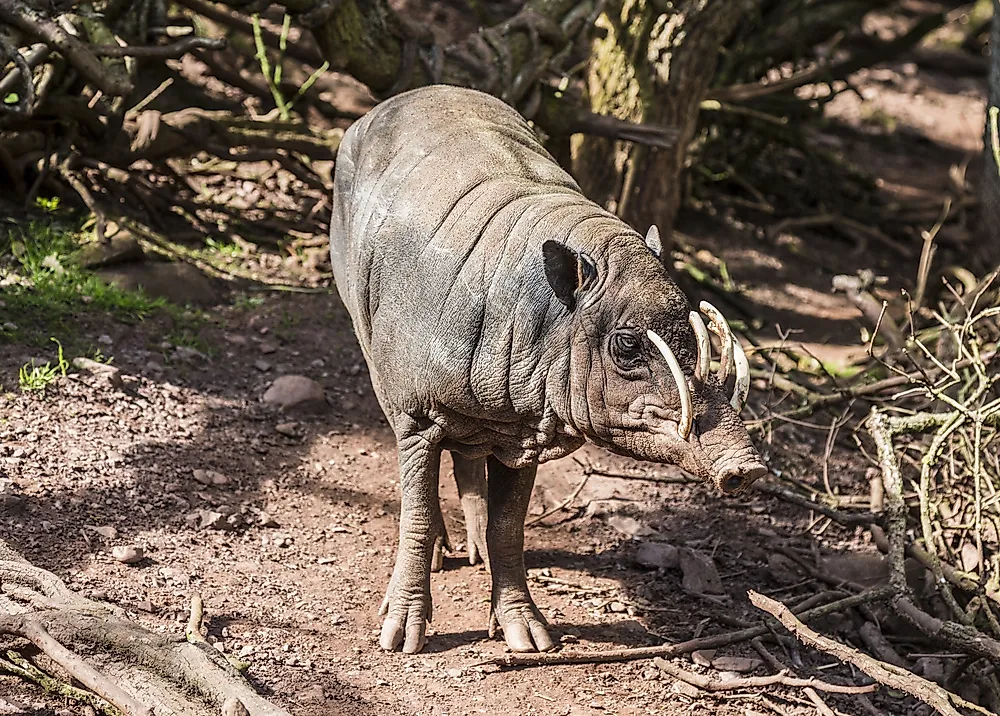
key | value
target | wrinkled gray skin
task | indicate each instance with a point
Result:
(484, 343)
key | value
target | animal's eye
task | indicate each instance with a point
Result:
(626, 350)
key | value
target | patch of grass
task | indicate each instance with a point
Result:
(44, 291)
(247, 302)
(34, 378)
(187, 338)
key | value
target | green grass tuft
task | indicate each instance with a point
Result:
(34, 378)
(42, 289)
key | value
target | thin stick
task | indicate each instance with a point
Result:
(755, 682)
(193, 630)
(561, 505)
(668, 651)
(892, 676)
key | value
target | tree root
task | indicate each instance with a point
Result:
(128, 666)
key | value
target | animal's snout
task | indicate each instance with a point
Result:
(736, 478)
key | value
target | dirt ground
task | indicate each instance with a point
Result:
(294, 573)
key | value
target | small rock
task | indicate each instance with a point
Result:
(105, 373)
(128, 554)
(267, 348)
(105, 340)
(153, 367)
(146, 606)
(629, 526)
(700, 574)
(187, 354)
(617, 607)
(105, 531)
(9, 326)
(651, 674)
(454, 673)
(122, 248)
(739, 664)
(287, 429)
(265, 520)
(211, 520)
(262, 365)
(703, 657)
(234, 707)
(296, 393)
(657, 555)
(782, 569)
(210, 477)
(685, 689)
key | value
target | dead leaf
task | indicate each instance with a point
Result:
(700, 574)
(739, 664)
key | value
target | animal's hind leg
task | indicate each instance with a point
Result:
(407, 606)
(470, 476)
(513, 609)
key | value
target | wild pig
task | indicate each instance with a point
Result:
(508, 319)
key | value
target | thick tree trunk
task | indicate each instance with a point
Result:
(652, 65)
(989, 251)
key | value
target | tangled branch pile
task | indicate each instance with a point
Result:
(196, 118)
(935, 497)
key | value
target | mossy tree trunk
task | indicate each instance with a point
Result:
(653, 64)
(989, 247)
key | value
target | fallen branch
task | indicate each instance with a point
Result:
(755, 682)
(160, 52)
(894, 677)
(668, 651)
(561, 505)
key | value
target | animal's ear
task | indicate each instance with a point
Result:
(568, 271)
(653, 242)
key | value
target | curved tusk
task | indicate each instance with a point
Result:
(718, 325)
(704, 364)
(687, 411)
(742, 388)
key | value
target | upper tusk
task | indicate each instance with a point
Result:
(687, 411)
(719, 326)
(704, 364)
(742, 387)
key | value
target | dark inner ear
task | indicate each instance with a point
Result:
(567, 271)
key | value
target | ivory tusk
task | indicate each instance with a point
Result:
(719, 326)
(687, 410)
(704, 364)
(742, 387)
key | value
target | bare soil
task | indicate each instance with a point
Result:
(293, 583)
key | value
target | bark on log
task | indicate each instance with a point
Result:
(652, 65)
(989, 246)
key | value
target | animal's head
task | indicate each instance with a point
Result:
(640, 379)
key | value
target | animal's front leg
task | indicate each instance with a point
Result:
(407, 606)
(513, 609)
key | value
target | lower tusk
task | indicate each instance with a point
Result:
(687, 410)
(704, 364)
(742, 387)
(719, 326)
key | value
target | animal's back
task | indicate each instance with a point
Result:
(439, 195)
